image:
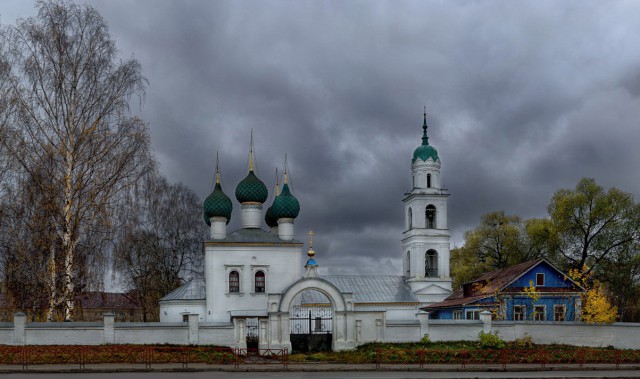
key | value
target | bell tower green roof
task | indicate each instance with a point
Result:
(425, 151)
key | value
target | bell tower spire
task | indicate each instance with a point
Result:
(425, 241)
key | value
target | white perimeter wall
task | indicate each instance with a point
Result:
(363, 327)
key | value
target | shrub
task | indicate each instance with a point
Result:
(425, 339)
(525, 341)
(491, 340)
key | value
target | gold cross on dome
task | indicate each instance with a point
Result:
(310, 234)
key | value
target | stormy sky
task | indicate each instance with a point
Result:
(523, 98)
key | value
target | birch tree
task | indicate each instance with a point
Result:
(68, 111)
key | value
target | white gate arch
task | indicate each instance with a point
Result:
(321, 285)
(341, 302)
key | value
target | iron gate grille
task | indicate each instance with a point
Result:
(311, 320)
(311, 328)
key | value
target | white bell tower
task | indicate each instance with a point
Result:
(425, 241)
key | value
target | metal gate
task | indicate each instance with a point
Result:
(311, 328)
(252, 333)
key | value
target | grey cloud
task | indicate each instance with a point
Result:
(523, 98)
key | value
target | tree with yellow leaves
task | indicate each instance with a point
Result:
(595, 305)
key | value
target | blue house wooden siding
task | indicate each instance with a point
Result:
(561, 291)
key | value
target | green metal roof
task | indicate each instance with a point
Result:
(217, 204)
(285, 205)
(251, 189)
(425, 151)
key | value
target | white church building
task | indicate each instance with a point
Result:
(259, 279)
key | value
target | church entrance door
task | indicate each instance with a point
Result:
(311, 323)
(252, 333)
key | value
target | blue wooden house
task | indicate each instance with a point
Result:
(530, 291)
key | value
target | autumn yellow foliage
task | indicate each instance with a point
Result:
(532, 292)
(595, 305)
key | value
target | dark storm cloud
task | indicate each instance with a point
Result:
(523, 98)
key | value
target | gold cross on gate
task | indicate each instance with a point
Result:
(310, 234)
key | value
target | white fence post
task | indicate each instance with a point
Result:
(108, 320)
(19, 323)
(194, 337)
(485, 317)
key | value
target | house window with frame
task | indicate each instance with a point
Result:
(430, 216)
(472, 315)
(539, 313)
(519, 312)
(234, 281)
(431, 264)
(559, 312)
(457, 315)
(539, 279)
(260, 281)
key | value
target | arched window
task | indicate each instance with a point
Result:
(430, 215)
(408, 264)
(260, 283)
(428, 180)
(234, 281)
(431, 264)
(410, 219)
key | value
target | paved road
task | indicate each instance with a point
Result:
(334, 374)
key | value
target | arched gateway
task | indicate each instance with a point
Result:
(280, 306)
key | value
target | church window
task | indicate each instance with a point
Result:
(410, 218)
(430, 214)
(428, 180)
(234, 281)
(431, 264)
(260, 282)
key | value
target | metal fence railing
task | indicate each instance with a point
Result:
(506, 357)
(146, 355)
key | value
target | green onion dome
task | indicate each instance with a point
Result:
(251, 190)
(217, 204)
(269, 217)
(425, 151)
(285, 205)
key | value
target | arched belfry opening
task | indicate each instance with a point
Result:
(431, 264)
(430, 216)
(311, 322)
